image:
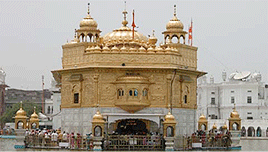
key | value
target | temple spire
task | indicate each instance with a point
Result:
(88, 8)
(124, 22)
(175, 10)
(21, 104)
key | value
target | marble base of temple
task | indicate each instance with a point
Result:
(20, 138)
(236, 135)
(97, 143)
(169, 143)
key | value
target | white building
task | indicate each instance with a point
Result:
(245, 90)
(56, 98)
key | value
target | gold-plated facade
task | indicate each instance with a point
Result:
(117, 70)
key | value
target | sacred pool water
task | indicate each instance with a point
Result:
(247, 145)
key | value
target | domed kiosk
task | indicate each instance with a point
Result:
(20, 118)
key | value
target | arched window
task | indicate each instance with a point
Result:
(259, 132)
(97, 131)
(120, 93)
(175, 39)
(33, 125)
(235, 126)
(135, 92)
(170, 131)
(20, 125)
(130, 92)
(167, 39)
(89, 37)
(145, 93)
(203, 127)
(48, 110)
(81, 37)
(185, 99)
(182, 40)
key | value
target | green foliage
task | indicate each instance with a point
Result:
(27, 106)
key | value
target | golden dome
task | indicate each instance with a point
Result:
(34, 115)
(169, 117)
(88, 23)
(224, 126)
(124, 34)
(214, 126)
(234, 113)
(174, 24)
(98, 117)
(152, 39)
(20, 112)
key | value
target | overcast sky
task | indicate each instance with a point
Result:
(230, 35)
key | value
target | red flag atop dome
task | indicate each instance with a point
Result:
(133, 25)
(190, 38)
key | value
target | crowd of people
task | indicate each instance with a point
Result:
(214, 138)
(47, 137)
(7, 130)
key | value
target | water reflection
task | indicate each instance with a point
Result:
(247, 145)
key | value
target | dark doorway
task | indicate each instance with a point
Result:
(131, 127)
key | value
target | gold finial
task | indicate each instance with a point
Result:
(88, 9)
(74, 33)
(34, 109)
(175, 10)
(169, 108)
(153, 32)
(21, 104)
(124, 22)
(234, 107)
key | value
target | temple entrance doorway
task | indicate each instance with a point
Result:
(131, 127)
(134, 134)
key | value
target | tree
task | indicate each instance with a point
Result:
(27, 106)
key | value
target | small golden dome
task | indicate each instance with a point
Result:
(115, 48)
(88, 23)
(88, 48)
(97, 48)
(169, 117)
(150, 49)
(202, 117)
(234, 113)
(152, 39)
(34, 115)
(168, 49)
(98, 117)
(20, 112)
(214, 126)
(106, 49)
(142, 49)
(224, 126)
(174, 24)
